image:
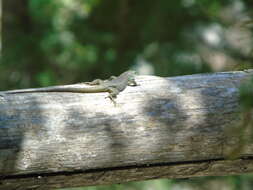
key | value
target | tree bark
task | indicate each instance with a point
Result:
(164, 128)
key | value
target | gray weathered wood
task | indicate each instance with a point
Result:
(166, 127)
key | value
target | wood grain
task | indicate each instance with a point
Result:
(165, 127)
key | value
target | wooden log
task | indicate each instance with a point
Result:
(164, 128)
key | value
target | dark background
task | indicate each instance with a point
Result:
(50, 42)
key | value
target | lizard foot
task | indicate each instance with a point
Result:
(112, 99)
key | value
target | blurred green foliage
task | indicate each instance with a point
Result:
(47, 42)
(57, 42)
(243, 182)
(143, 185)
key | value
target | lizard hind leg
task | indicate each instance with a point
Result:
(95, 82)
(112, 78)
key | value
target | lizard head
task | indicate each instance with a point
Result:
(131, 77)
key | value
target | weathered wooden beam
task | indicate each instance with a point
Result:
(164, 128)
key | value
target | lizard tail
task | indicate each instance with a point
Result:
(66, 88)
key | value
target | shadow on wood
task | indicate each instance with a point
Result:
(163, 128)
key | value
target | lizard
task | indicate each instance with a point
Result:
(113, 85)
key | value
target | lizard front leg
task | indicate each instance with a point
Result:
(113, 92)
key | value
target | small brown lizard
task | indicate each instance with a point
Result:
(113, 85)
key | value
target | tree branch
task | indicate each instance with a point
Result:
(164, 128)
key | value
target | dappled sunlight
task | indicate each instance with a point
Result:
(51, 137)
(81, 129)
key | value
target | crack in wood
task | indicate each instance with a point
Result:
(206, 165)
